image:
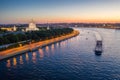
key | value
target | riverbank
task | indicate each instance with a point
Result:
(34, 46)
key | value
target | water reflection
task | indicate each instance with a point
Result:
(62, 44)
(72, 40)
(14, 61)
(41, 53)
(34, 57)
(47, 50)
(57, 44)
(52, 48)
(8, 64)
(77, 38)
(21, 60)
(27, 57)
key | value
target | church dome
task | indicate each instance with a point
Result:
(32, 26)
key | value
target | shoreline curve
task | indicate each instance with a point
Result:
(34, 46)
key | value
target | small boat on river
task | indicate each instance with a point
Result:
(98, 48)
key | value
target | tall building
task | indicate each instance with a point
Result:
(32, 26)
(14, 28)
(48, 27)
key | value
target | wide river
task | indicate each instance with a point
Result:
(72, 59)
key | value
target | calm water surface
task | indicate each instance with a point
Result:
(72, 59)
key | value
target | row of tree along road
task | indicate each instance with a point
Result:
(32, 36)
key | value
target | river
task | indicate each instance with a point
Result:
(72, 59)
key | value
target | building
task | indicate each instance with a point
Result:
(32, 27)
(48, 27)
(14, 28)
(9, 28)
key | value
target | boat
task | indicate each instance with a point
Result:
(98, 48)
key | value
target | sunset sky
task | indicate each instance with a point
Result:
(52, 11)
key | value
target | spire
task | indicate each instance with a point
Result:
(32, 21)
(48, 26)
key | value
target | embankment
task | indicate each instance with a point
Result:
(34, 46)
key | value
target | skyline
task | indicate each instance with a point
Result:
(55, 11)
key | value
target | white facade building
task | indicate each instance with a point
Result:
(48, 28)
(32, 27)
(14, 28)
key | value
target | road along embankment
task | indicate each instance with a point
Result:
(34, 46)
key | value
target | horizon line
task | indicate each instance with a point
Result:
(56, 22)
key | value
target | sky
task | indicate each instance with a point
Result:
(55, 11)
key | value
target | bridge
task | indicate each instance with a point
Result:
(99, 46)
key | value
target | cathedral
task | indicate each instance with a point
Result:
(32, 27)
